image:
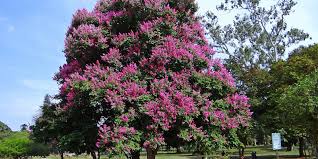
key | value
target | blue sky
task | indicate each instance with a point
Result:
(32, 36)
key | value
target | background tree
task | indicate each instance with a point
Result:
(44, 126)
(138, 69)
(24, 127)
(301, 62)
(4, 127)
(302, 99)
(4, 130)
(50, 126)
(258, 37)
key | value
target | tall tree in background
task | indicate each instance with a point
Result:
(258, 37)
(24, 127)
(43, 128)
(301, 101)
(301, 62)
(138, 69)
(48, 126)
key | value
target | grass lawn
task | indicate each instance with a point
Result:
(264, 152)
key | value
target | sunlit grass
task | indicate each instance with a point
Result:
(263, 151)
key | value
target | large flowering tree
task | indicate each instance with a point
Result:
(145, 68)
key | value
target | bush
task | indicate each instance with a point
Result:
(37, 149)
(18, 145)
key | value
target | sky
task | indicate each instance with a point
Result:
(32, 34)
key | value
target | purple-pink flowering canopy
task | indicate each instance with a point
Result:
(148, 63)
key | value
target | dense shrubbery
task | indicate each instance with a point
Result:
(18, 145)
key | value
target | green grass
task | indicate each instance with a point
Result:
(264, 151)
(261, 151)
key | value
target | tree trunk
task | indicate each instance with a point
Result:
(316, 151)
(62, 155)
(93, 154)
(255, 142)
(289, 146)
(241, 152)
(204, 157)
(168, 148)
(135, 155)
(151, 154)
(178, 149)
(301, 147)
(98, 154)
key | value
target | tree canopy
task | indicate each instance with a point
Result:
(4, 127)
(138, 69)
(255, 43)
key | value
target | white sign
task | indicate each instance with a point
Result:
(276, 141)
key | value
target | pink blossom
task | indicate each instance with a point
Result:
(155, 4)
(67, 69)
(124, 118)
(219, 115)
(112, 55)
(122, 130)
(146, 144)
(133, 90)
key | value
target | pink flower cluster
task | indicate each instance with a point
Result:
(83, 40)
(148, 26)
(83, 17)
(156, 4)
(68, 69)
(220, 72)
(116, 135)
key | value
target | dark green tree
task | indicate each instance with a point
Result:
(258, 37)
(24, 127)
(4, 130)
(298, 106)
(4, 127)
(301, 62)
(47, 128)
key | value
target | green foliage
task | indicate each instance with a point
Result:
(282, 113)
(255, 43)
(44, 129)
(300, 64)
(4, 127)
(16, 145)
(210, 85)
(257, 38)
(4, 130)
(38, 149)
(24, 127)
(301, 97)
